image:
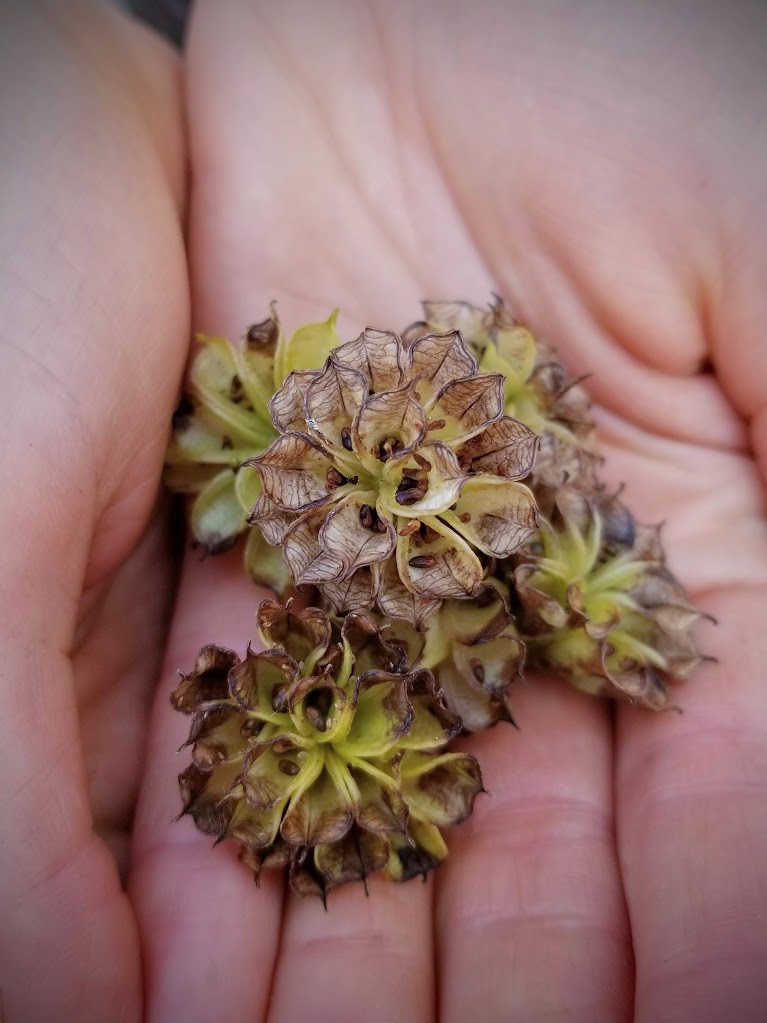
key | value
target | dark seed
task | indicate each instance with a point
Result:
(368, 517)
(335, 479)
(437, 424)
(410, 496)
(236, 392)
(288, 767)
(315, 718)
(477, 670)
(428, 535)
(250, 727)
(388, 447)
(346, 438)
(466, 517)
(226, 443)
(423, 561)
(283, 745)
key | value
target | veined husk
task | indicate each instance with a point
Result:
(597, 604)
(474, 651)
(224, 420)
(395, 476)
(324, 755)
(537, 389)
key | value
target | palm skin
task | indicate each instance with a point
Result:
(579, 160)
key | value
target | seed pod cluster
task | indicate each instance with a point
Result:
(437, 492)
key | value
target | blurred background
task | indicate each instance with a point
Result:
(167, 16)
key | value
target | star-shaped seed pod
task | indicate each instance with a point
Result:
(224, 420)
(324, 755)
(395, 475)
(537, 389)
(475, 653)
(598, 605)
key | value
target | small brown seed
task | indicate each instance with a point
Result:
(411, 495)
(250, 727)
(423, 561)
(428, 535)
(346, 438)
(368, 517)
(477, 669)
(335, 479)
(388, 447)
(226, 443)
(436, 424)
(466, 517)
(288, 767)
(410, 528)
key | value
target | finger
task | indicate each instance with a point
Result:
(530, 914)
(692, 830)
(364, 958)
(209, 935)
(81, 172)
(319, 188)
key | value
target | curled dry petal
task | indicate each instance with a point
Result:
(332, 399)
(352, 543)
(294, 472)
(467, 407)
(506, 448)
(307, 559)
(287, 406)
(495, 515)
(356, 592)
(392, 422)
(437, 360)
(207, 681)
(378, 356)
(298, 633)
(441, 566)
(396, 601)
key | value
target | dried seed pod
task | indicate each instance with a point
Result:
(342, 775)
(475, 653)
(599, 606)
(223, 421)
(537, 389)
(403, 434)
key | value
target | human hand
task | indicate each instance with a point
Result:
(579, 161)
(94, 337)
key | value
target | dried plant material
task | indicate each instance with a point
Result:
(473, 649)
(395, 475)
(224, 420)
(537, 389)
(323, 756)
(598, 605)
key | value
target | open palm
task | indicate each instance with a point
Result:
(601, 169)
